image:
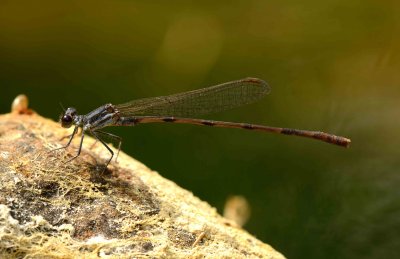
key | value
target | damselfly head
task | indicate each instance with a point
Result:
(67, 118)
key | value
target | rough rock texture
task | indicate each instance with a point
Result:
(53, 209)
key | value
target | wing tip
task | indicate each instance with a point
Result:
(259, 82)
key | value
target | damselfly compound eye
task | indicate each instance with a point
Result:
(66, 121)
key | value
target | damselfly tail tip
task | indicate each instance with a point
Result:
(341, 141)
(347, 142)
(326, 137)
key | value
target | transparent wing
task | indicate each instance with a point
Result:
(202, 101)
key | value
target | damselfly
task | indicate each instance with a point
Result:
(181, 108)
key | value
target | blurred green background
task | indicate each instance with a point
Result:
(332, 65)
